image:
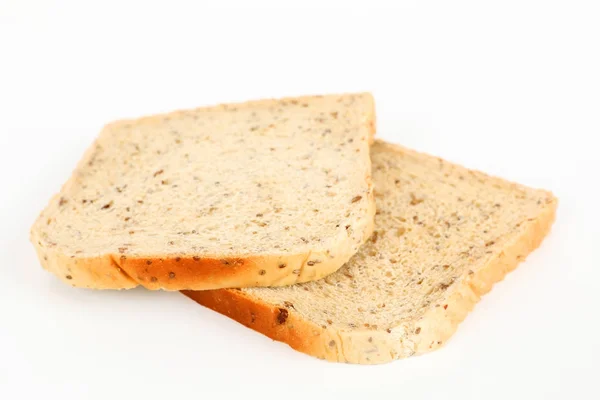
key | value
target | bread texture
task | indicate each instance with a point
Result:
(263, 193)
(443, 236)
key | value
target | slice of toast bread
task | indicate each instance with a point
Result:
(443, 236)
(263, 193)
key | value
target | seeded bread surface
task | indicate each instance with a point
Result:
(443, 236)
(262, 193)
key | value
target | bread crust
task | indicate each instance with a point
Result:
(431, 331)
(195, 273)
(172, 272)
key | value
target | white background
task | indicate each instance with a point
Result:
(508, 87)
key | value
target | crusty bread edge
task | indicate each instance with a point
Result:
(119, 271)
(430, 332)
(244, 104)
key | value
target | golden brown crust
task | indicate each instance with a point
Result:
(430, 332)
(278, 323)
(193, 273)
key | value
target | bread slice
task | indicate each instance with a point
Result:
(443, 236)
(263, 193)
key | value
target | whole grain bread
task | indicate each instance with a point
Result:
(443, 236)
(262, 193)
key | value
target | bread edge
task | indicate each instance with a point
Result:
(241, 104)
